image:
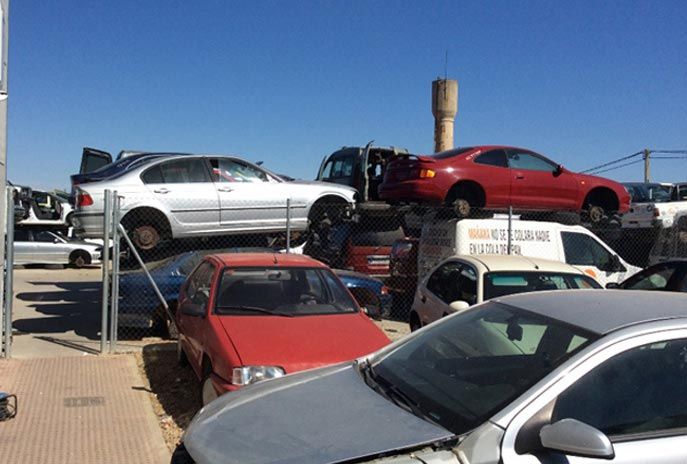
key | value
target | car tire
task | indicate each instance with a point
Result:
(79, 259)
(182, 359)
(145, 236)
(207, 389)
(461, 208)
(181, 456)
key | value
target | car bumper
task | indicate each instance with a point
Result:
(88, 225)
(419, 190)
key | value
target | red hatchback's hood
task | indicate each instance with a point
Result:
(302, 342)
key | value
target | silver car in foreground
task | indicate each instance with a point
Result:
(547, 377)
(44, 247)
(198, 195)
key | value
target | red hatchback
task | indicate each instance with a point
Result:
(496, 177)
(248, 317)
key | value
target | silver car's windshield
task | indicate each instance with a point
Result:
(461, 371)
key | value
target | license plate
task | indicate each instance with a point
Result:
(378, 260)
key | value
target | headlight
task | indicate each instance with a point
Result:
(250, 374)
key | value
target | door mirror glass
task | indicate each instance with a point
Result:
(571, 436)
(614, 265)
(194, 310)
(459, 305)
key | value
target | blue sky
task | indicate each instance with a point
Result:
(290, 82)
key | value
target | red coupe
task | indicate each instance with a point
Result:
(248, 317)
(496, 177)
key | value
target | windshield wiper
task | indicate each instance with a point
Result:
(394, 394)
(257, 309)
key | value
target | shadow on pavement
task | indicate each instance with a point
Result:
(176, 387)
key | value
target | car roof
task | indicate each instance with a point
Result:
(602, 311)
(266, 260)
(518, 263)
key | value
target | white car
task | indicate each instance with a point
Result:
(42, 208)
(464, 280)
(198, 195)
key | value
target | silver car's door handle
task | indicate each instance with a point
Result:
(161, 190)
(225, 189)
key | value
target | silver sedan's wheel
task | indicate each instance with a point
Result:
(208, 392)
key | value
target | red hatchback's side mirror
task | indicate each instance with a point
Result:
(190, 309)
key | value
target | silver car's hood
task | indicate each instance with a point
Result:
(322, 416)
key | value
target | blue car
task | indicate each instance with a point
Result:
(139, 307)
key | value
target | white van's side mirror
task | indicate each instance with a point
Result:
(459, 305)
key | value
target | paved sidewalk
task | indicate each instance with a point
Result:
(82, 409)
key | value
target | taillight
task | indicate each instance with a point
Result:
(384, 290)
(657, 213)
(427, 173)
(401, 249)
(83, 199)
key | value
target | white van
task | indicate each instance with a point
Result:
(573, 245)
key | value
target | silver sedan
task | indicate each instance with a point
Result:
(548, 377)
(198, 195)
(44, 247)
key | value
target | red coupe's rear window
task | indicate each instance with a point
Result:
(452, 153)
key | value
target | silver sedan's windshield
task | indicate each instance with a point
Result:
(461, 371)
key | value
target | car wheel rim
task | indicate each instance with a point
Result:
(461, 207)
(79, 261)
(208, 391)
(146, 237)
(596, 213)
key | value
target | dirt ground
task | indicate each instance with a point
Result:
(175, 391)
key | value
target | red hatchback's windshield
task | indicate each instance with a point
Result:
(282, 291)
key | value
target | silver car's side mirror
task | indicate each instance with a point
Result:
(571, 436)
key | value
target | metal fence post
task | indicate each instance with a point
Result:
(510, 228)
(9, 271)
(107, 215)
(288, 225)
(114, 306)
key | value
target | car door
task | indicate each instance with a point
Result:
(22, 247)
(538, 183)
(632, 392)
(451, 281)
(184, 187)
(494, 174)
(592, 258)
(49, 249)
(93, 159)
(191, 327)
(250, 199)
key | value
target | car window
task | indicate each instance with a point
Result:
(283, 290)
(583, 250)
(498, 284)
(43, 237)
(493, 158)
(654, 279)
(21, 235)
(461, 371)
(339, 167)
(199, 284)
(229, 170)
(636, 392)
(437, 281)
(179, 171)
(529, 161)
(452, 153)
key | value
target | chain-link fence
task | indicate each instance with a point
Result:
(386, 252)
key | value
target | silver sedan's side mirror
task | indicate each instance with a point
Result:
(571, 436)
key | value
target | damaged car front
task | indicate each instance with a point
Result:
(428, 398)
